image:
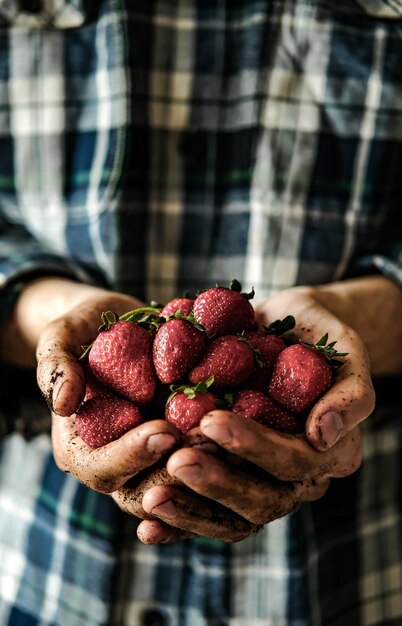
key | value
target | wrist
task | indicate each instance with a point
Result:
(372, 306)
(38, 302)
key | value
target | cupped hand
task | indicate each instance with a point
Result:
(258, 475)
(351, 398)
(60, 373)
(61, 379)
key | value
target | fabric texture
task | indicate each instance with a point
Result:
(161, 146)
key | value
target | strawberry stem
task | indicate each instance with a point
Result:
(148, 317)
(86, 350)
(138, 315)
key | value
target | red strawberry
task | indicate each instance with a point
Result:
(104, 418)
(302, 374)
(229, 359)
(257, 406)
(224, 311)
(188, 405)
(184, 305)
(121, 358)
(268, 347)
(177, 346)
(93, 387)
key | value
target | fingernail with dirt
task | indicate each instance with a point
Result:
(331, 427)
(160, 442)
(218, 432)
(188, 473)
(56, 392)
(164, 509)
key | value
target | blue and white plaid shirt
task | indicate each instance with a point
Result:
(161, 146)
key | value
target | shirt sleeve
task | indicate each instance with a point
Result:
(22, 258)
(386, 256)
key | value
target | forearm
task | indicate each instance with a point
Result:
(42, 301)
(372, 306)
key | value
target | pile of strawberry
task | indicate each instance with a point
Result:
(194, 355)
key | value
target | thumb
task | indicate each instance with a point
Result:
(348, 402)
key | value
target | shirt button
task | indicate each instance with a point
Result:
(153, 617)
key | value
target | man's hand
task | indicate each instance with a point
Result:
(62, 381)
(364, 317)
(257, 475)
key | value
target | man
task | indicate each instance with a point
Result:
(151, 149)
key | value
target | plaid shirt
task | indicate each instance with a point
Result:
(162, 146)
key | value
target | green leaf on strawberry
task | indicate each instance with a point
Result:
(281, 327)
(191, 390)
(329, 352)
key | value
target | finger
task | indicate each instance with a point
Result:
(61, 380)
(155, 532)
(129, 497)
(287, 457)
(347, 403)
(255, 496)
(190, 512)
(106, 468)
(59, 373)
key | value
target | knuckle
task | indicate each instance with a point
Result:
(128, 502)
(364, 393)
(103, 484)
(280, 501)
(298, 467)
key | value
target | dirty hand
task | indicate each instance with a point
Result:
(277, 472)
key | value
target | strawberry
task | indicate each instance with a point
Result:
(267, 343)
(187, 405)
(224, 310)
(93, 387)
(257, 406)
(302, 373)
(267, 347)
(121, 359)
(184, 305)
(104, 418)
(230, 359)
(177, 346)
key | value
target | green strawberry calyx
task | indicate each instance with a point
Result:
(234, 285)
(148, 317)
(191, 390)
(328, 351)
(281, 327)
(188, 318)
